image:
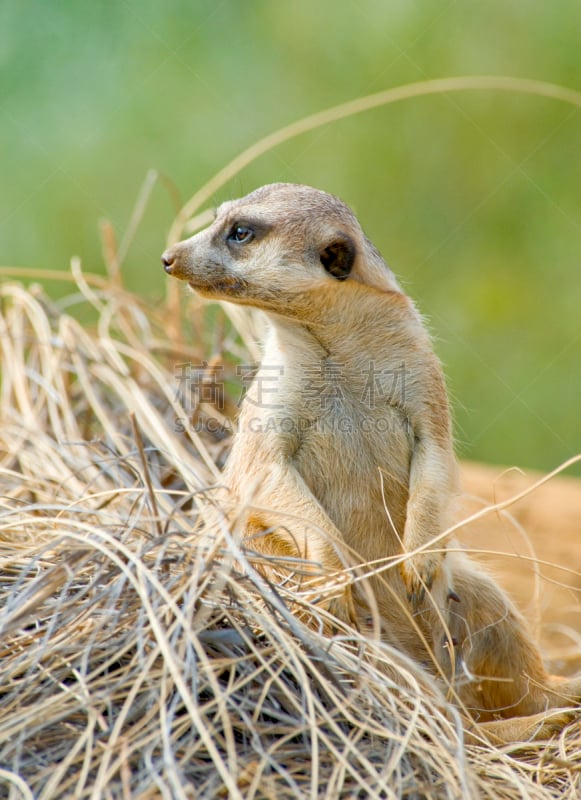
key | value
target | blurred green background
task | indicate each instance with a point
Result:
(473, 198)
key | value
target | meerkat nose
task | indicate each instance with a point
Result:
(168, 260)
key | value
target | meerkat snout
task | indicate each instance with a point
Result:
(168, 259)
(174, 261)
(171, 259)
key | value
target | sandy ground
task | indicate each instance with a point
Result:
(534, 549)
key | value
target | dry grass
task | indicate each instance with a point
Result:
(136, 663)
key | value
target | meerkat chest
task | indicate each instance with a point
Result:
(350, 445)
(353, 447)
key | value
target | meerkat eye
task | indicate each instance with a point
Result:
(241, 234)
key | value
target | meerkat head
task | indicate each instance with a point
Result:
(276, 246)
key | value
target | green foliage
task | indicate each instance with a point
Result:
(473, 197)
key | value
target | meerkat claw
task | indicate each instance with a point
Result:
(418, 582)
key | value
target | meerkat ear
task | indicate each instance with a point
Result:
(338, 257)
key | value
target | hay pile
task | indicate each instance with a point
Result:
(135, 662)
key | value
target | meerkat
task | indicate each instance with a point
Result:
(344, 455)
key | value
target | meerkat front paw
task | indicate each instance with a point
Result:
(419, 572)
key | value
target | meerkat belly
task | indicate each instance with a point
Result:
(370, 462)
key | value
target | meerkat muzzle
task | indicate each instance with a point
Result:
(175, 263)
(168, 260)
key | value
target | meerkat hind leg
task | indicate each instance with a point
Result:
(509, 691)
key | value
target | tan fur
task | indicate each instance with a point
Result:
(348, 482)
